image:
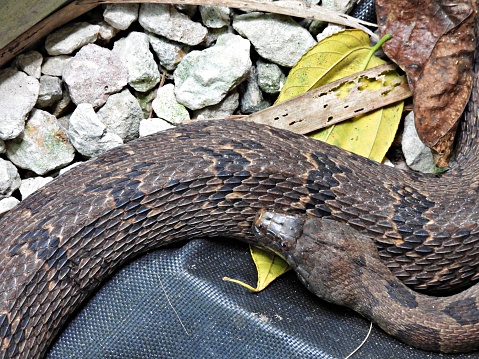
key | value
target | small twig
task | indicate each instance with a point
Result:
(362, 343)
(171, 305)
(163, 79)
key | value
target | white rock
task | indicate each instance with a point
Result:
(122, 115)
(93, 74)
(225, 108)
(252, 98)
(68, 168)
(53, 65)
(18, 94)
(43, 146)
(107, 32)
(134, 52)
(64, 122)
(204, 78)
(277, 38)
(213, 35)
(342, 6)
(329, 30)
(149, 126)
(170, 53)
(2, 146)
(32, 184)
(30, 63)
(71, 37)
(9, 178)
(88, 134)
(418, 156)
(121, 16)
(270, 77)
(165, 20)
(7, 204)
(215, 16)
(50, 91)
(167, 108)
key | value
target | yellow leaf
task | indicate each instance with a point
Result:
(368, 135)
(335, 57)
(269, 267)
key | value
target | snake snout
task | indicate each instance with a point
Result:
(280, 230)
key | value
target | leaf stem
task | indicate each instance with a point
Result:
(376, 48)
(227, 279)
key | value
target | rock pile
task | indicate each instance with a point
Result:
(128, 70)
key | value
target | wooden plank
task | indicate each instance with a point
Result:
(17, 16)
(42, 29)
(322, 107)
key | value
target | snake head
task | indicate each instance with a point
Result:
(327, 256)
(277, 232)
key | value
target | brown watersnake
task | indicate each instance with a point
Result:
(209, 180)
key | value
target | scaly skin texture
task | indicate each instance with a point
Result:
(342, 266)
(210, 179)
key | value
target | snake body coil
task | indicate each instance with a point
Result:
(210, 179)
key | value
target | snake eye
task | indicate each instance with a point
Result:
(285, 245)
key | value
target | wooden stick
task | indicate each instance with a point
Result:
(322, 107)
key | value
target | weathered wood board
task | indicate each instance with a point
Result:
(17, 16)
(44, 22)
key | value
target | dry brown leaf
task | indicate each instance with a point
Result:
(444, 87)
(415, 27)
(433, 42)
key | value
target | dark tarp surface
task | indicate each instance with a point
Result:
(137, 314)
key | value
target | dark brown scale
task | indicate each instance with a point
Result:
(210, 179)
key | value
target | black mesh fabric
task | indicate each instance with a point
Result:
(364, 10)
(141, 311)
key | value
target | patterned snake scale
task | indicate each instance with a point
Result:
(210, 179)
(59, 244)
